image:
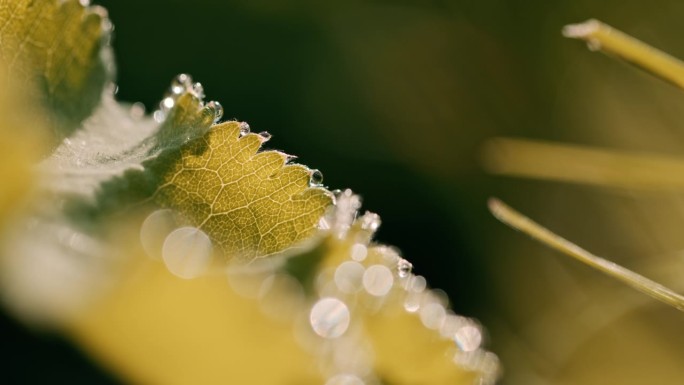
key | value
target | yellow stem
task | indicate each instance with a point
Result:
(581, 164)
(524, 224)
(603, 37)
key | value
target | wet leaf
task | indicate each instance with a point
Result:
(71, 258)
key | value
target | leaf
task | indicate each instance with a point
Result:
(70, 259)
(241, 332)
(60, 47)
(251, 204)
(20, 146)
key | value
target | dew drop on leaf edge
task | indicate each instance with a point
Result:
(265, 135)
(167, 104)
(404, 268)
(198, 90)
(180, 83)
(244, 129)
(316, 178)
(218, 110)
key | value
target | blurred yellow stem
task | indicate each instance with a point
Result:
(522, 223)
(603, 37)
(580, 164)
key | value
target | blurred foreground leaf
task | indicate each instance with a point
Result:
(60, 46)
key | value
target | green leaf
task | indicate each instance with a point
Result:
(60, 47)
(250, 203)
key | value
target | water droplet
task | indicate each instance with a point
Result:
(198, 90)
(154, 230)
(348, 276)
(218, 110)
(323, 224)
(84, 3)
(180, 84)
(378, 280)
(137, 110)
(471, 361)
(490, 369)
(418, 284)
(468, 338)
(108, 28)
(265, 136)
(167, 104)
(412, 302)
(315, 178)
(359, 252)
(158, 116)
(329, 317)
(187, 252)
(451, 325)
(370, 221)
(344, 379)
(432, 315)
(244, 129)
(404, 268)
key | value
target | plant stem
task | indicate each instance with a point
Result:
(524, 224)
(603, 37)
(582, 164)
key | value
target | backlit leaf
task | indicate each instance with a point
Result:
(60, 47)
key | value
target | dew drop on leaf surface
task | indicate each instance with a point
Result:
(329, 317)
(359, 252)
(378, 280)
(187, 252)
(348, 276)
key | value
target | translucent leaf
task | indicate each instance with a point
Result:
(250, 203)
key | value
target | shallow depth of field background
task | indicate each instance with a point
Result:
(394, 100)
